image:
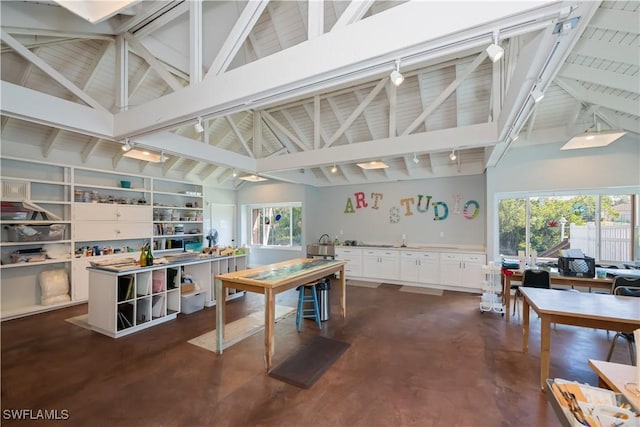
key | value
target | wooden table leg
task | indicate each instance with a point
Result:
(269, 326)
(220, 306)
(525, 325)
(545, 349)
(343, 297)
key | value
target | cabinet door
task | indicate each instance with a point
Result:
(370, 263)
(389, 266)
(80, 282)
(84, 231)
(95, 212)
(353, 268)
(132, 213)
(408, 267)
(429, 268)
(472, 274)
(451, 269)
(132, 230)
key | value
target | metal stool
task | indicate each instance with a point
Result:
(308, 312)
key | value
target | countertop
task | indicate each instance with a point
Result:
(420, 247)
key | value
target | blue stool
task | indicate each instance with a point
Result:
(308, 312)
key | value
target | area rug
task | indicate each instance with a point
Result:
(363, 284)
(240, 329)
(82, 321)
(307, 365)
(419, 290)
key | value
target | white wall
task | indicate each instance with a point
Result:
(546, 168)
(374, 226)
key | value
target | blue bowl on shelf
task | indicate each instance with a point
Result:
(125, 184)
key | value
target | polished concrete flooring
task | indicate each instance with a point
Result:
(414, 360)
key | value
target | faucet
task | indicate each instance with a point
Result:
(322, 237)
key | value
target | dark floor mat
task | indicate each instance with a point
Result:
(307, 365)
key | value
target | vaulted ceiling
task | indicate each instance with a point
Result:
(299, 91)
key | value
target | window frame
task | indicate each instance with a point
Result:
(248, 209)
(633, 191)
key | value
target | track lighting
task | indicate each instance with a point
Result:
(453, 156)
(128, 145)
(537, 95)
(334, 169)
(234, 173)
(495, 51)
(198, 126)
(162, 158)
(416, 160)
(396, 77)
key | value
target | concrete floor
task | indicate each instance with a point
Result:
(414, 360)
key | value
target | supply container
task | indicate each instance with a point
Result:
(191, 303)
(322, 288)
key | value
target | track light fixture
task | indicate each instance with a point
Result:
(537, 94)
(416, 160)
(128, 145)
(396, 77)
(235, 173)
(162, 158)
(334, 169)
(495, 51)
(198, 126)
(453, 156)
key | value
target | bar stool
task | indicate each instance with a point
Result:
(305, 298)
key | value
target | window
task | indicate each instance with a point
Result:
(276, 225)
(603, 226)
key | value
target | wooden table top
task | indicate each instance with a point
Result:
(282, 273)
(617, 376)
(584, 305)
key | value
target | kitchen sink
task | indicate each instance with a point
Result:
(319, 249)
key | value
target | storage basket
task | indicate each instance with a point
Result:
(35, 233)
(191, 303)
(577, 267)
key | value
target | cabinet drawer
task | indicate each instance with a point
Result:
(451, 257)
(475, 258)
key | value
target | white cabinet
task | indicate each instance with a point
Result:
(353, 256)
(97, 221)
(420, 267)
(380, 263)
(462, 269)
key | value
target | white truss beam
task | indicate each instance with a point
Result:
(195, 41)
(50, 71)
(158, 66)
(315, 27)
(353, 13)
(629, 83)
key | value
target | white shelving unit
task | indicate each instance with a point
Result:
(177, 215)
(104, 214)
(491, 299)
(24, 235)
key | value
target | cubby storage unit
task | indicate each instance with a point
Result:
(33, 238)
(123, 302)
(177, 216)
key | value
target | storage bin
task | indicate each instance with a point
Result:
(577, 267)
(191, 303)
(35, 233)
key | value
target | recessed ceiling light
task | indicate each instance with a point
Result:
(373, 165)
